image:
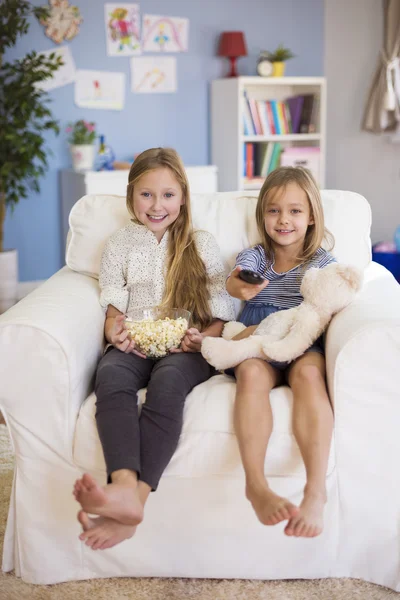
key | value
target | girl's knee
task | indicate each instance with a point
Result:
(306, 374)
(252, 371)
(105, 372)
(167, 378)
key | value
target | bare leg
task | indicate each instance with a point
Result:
(118, 500)
(312, 428)
(253, 426)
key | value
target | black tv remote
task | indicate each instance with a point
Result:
(251, 276)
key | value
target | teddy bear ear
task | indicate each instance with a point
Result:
(352, 275)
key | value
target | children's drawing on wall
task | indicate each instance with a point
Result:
(122, 29)
(165, 34)
(153, 75)
(63, 21)
(100, 89)
(65, 74)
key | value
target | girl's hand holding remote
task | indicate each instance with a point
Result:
(241, 289)
(120, 337)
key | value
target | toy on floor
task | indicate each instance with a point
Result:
(286, 334)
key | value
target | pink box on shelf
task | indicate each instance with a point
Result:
(306, 156)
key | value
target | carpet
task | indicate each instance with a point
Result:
(12, 588)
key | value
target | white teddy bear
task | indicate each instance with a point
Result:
(286, 334)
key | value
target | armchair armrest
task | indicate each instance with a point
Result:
(50, 343)
(363, 364)
(366, 335)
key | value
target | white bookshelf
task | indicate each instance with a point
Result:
(227, 137)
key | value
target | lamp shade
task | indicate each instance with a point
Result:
(232, 44)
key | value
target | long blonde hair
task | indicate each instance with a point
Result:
(187, 281)
(277, 181)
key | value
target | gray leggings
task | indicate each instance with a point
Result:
(144, 444)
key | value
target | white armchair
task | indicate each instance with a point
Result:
(198, 523)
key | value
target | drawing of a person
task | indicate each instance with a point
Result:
(123, 29)
(161, 39)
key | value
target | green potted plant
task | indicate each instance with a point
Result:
(278, 59)
(81, 137)
(24, 119)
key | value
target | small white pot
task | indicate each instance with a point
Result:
(82, 156)
(8, 279)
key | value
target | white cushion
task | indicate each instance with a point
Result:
(229, 216)
(207, 446)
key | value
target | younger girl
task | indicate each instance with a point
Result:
(290, 222)
(164, 262)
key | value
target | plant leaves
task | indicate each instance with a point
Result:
(25, 117)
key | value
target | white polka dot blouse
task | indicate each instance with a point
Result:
(134, 265)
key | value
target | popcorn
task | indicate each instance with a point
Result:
(155, 338)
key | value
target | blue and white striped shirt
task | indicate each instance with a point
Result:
(283, 290)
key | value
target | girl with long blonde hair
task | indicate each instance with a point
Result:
(155, 260)
(290, 222)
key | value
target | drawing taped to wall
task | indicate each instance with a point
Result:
(100, 89)
(64, 75)
(165, 34)
(153, 75)
(122, 29)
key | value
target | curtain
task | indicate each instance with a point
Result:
(382, 112)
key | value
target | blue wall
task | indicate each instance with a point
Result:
(180, 120)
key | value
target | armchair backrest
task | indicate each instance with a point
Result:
(229, 216)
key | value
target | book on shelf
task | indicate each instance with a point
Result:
(295, 114)
(315, 116)
(263, 114)
(277, 123)
(305, 120)
(260, 159)
(282, 118)
(248, 170)
(255, 116)
(295, 105)
(248, 123)
(270, 116)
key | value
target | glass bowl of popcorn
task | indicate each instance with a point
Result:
(155, 330)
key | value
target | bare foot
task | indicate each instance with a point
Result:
(117, 501)
(309, 520)
(101, 533)
(269, 507)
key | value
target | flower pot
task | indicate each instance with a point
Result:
(278, 69)
(82, 156)
(8, 279)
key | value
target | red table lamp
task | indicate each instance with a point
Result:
(232, 44)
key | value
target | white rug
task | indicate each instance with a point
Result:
(6, 453)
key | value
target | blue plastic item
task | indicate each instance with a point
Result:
(390, 260)
(397, 238)
(105, 157)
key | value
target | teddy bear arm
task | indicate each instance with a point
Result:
(223, 354)
(231, 329)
